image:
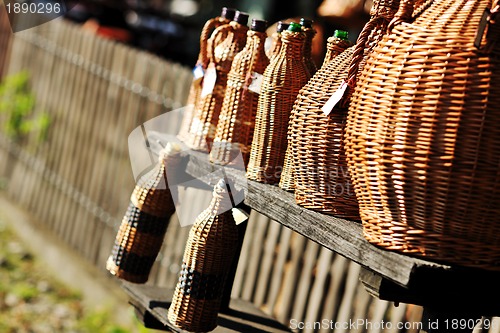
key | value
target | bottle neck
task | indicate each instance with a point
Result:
(335, 46)
(310, 33)
(292, 44)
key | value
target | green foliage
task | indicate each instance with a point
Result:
(17, 102)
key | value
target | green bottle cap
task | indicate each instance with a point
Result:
(295, 27)
(341, 34)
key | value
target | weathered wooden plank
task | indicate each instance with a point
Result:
(342, 236)
(242, 316)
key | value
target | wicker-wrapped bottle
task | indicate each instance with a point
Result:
(422, 137)
(275, 48)
(210, 250)
(322, 180)
(282, 81)
(143, 228)
(237, 118)
(206, 113)
(335, 46)
(307, 27)
(207, 40)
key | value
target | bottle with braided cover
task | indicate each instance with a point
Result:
(276, 46)
(206, 113)
(322, 180)
(335, 46)
(283, 78)
(207, 40)
(209, 252)
(237, 118)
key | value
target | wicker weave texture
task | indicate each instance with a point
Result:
(311, 66)
(143, 228)
(206, 113)
(322, 180)
(206, 39)
(335, 47)
(237, 118)
(283, 78)
(422, 138)
(209, 252)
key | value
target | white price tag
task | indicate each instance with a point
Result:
(209, 81)
(334, 99)
(256, 83)
(198, 72)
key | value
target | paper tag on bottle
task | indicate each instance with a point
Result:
(198, 72)
(209, 81)
(256, 83)
(334, 99)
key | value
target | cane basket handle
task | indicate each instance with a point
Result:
(205, 35)
(404, 13)
(223, 30)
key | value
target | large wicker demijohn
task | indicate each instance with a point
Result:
(143, 228)
(422, 135)
(206, 39)
(210, 249)
(322, 182)
(237, 118)
(206, 113)
(335, 46)
(283, 78)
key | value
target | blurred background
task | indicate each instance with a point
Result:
(171, 28)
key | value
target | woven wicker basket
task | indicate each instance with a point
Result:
(237, 118)
(283, 78)
(143, 228)
(335, 46)
(321, 179)
(206, 39)
(422, 135)
(206, 114)
(209, 252)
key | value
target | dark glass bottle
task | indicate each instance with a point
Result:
(283, 78)
(237, 118)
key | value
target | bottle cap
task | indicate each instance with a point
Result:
(228, 13)
(306, 23)
(259, 25)
(241, 17)
(294, 27)
(342, 34)
(282, 26)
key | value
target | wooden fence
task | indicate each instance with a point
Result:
(78, 182)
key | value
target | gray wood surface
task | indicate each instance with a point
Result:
(152, 304)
